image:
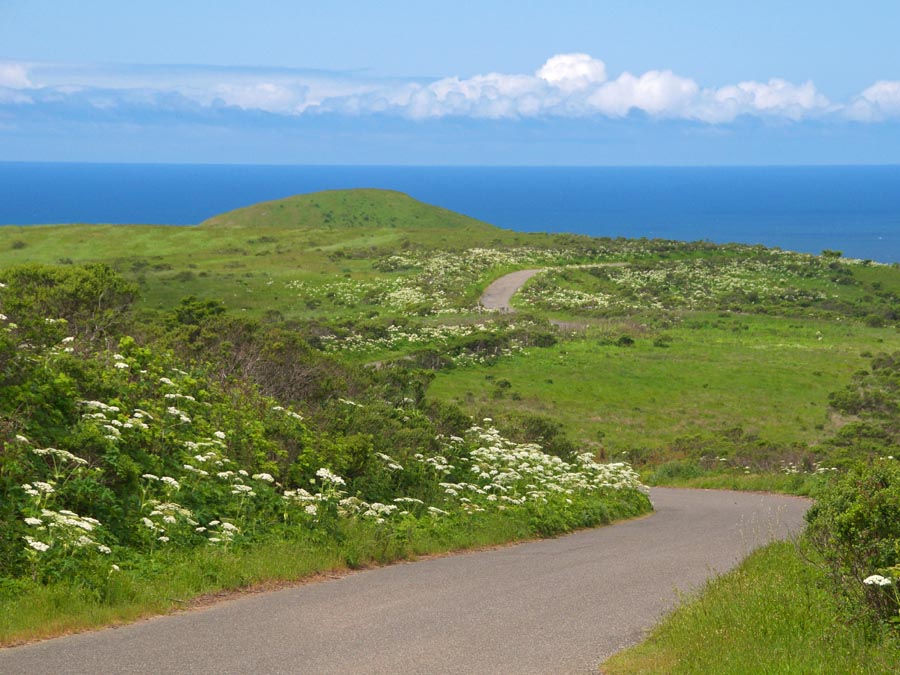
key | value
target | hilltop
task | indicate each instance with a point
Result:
(683, 339)
(343, 209)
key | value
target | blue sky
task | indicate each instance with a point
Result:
(389, 82)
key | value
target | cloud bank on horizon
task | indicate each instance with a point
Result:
(571, 86)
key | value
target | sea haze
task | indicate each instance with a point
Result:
(854, 209)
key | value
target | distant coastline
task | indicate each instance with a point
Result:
(854, 209)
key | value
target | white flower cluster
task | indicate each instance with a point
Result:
(64, 530)
(691, 284)
(877, 580)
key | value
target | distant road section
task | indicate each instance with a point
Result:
(549, 607)
(498, 294)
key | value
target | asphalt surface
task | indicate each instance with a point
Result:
(500, 292)
(549, 607)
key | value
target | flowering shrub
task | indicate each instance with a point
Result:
(855, 526)
(767, 281)
(114, 454)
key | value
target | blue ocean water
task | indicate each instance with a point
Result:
(854, 209)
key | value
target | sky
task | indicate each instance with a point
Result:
(602, 82)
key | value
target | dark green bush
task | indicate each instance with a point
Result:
(855, 526)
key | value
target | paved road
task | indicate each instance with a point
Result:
(497, 296)
(549, 607)
(500, 292)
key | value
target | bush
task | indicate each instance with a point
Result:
(855, 526)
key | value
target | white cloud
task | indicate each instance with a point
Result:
(659, 93)
(266, 96)
(776, 97)
(567, 85)
(876, 103)
(14, 76)
(571, 72)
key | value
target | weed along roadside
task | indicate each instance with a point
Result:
(183, 484)
(197, 414)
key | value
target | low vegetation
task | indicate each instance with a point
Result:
(773, 614)
(127, 461)
(311, 384)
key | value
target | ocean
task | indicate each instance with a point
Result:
(853, 209)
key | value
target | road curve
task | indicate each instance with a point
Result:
(549, 607)
(500, 292)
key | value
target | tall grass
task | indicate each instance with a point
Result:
(180, 579)
(770, 615)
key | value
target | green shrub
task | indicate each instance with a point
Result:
(855, 526)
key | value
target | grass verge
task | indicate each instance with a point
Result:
(166, 582)
(770, 615)
(805, 485)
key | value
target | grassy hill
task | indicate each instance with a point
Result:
(338, 336)
(687, 340)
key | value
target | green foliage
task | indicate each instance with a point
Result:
(122, 453)
(872, 403)
(92, 299)
(855, 527)
(773, 614)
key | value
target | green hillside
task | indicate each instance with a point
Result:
(326, 358)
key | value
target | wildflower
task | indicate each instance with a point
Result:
(38, 546)
(115, 568)
(150, 476)
(163, 539)
(121, 365)
(105, 550)
(311, 509)
(877, 580)
(263, 477)
(220, 435)
(329, 477)
(171, 482)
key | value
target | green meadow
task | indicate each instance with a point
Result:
(337, 340)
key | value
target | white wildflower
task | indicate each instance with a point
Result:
(171, 482)
(877, 580)
(38, 546)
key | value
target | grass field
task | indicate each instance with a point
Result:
(770, 376)
(761, 357)
(771, 615)
(704, 365)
